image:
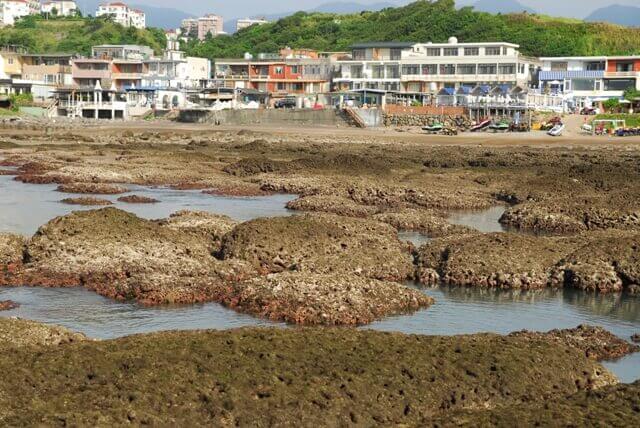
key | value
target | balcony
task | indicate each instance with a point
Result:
(622, 74)
(458, 78)
(91, 74)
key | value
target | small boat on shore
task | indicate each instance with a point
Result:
(481, 125)
(433, 128)
(502, 126)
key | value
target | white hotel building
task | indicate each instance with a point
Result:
(123, 14)
(426, 68)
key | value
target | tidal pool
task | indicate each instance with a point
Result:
(26, 207)
(485, 221)
(456, 311)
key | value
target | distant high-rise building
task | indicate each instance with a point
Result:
(248, 22)
(123, 14)
(11, 10)
(200, 27)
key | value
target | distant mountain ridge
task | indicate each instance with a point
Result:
(332, 7)
(617, 14)
(501, 6)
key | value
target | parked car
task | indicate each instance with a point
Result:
(287, 102)
(589, 111)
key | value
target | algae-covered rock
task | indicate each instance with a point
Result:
(429, 222)
(92, 188)
(332, 204)
(595, 342)
(304, 298)
(288, 377)
(86, 201)
(320, 243)
(496, 260)
(17, 333)
(125, 257)
(210, 226)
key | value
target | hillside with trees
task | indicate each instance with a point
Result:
(426, 21)
(76, 34)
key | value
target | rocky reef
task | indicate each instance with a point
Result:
(137, 199)
(86, 201)
(606, 261)
(320, 243)
(92, 188)
(199, 257)
(303, 377)
(324, 299)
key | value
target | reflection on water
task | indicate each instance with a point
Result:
(456, 311)
(25, 207)
(485, 221)
(81, 310)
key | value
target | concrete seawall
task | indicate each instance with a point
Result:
(273, 117)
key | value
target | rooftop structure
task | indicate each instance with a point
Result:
(241, 24)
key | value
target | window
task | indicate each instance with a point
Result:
(467, 69)
(598, 85)
(280, 86)
(447, 69)
(595, 66)
(411, 69)
(505, 51)
(433, 51)
(619, 84)
(522, 68)
(393, 72)
(294, 69)
(10, 60)
(487, 69)
(471, 51)
(492, 51)
(429, 69)
(624, 66)
(559, 66)
(583, 84)
(377, 71)
(279, 70)
(450, 51)
(396, 54)
(356, 72)
(507, 69)
(359, 54)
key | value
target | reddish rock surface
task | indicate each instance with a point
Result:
(7, 305)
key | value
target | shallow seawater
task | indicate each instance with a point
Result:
(26, 207)
(485, 221)
(456, 311)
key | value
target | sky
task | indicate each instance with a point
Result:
(243, 8)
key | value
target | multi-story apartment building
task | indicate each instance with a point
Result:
(248, 22)
(278, 77)
(175, 70)
(59, 7)
(426, 68)
(123, 14)
(587, 80)
(50, 69)
(199, 28)
(11, 62)
(372, 66)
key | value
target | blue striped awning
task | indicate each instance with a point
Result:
(561, 75)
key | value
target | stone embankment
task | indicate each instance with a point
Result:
(462, 123)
